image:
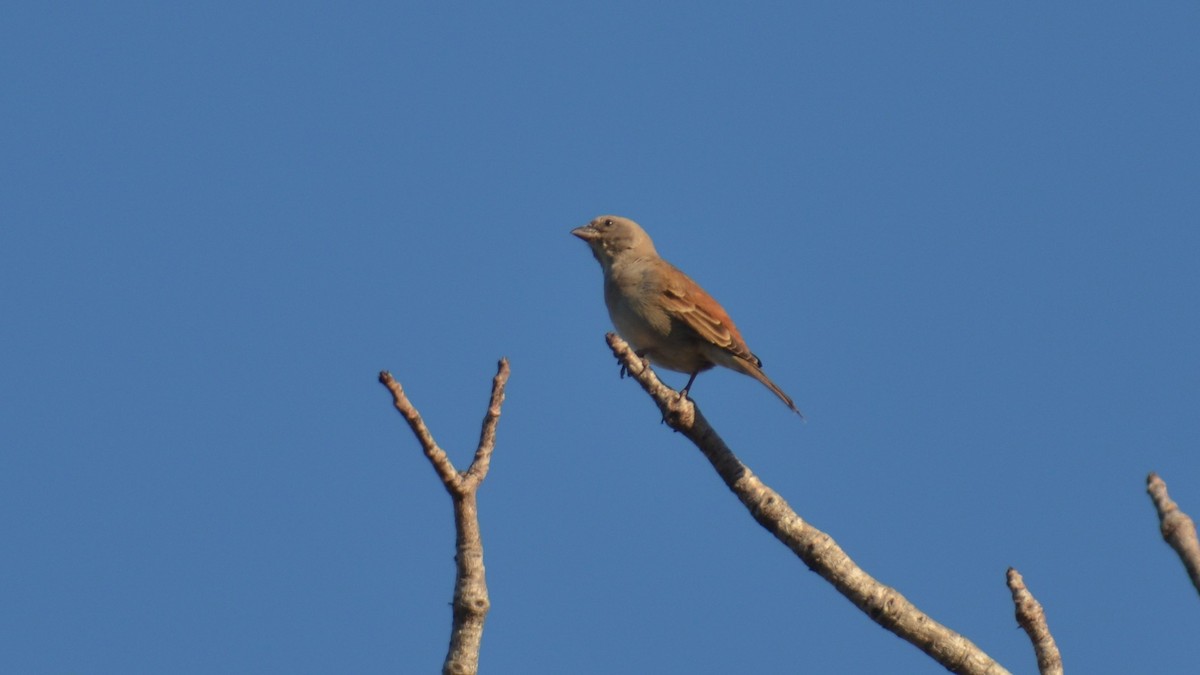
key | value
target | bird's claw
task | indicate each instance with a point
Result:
(625, 369)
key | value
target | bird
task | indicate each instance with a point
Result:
(664, 315)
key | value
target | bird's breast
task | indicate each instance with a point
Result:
(649, 329)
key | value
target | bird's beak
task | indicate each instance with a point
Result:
(586, 233)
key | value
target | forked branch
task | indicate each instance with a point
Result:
(471, 602)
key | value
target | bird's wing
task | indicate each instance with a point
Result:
(687, 302)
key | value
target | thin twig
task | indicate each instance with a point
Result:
(471, 603)
(1032, 618)
(1177, 527)
(437, 457)
(487, 434)
(884, 605)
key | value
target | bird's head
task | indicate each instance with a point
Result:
(613, 237)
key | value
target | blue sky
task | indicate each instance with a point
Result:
(964, 238)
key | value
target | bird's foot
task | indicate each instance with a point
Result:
(645, 363)
(678, 410)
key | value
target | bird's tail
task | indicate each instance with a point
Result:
(754, 370)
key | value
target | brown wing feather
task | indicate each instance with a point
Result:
(689, 303)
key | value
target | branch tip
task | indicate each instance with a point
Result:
(1177, 528)
(1031, 617)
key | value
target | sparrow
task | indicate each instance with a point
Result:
(664, 315)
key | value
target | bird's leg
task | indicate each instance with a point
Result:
(683, 393)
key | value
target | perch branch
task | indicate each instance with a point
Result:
(818, 550)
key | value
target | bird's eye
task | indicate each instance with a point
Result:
(608, 222)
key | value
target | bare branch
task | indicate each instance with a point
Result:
(471, 603)
(487, 435)
(1032, 618)
(818, 550)
(1177, 527)
(437, 457)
